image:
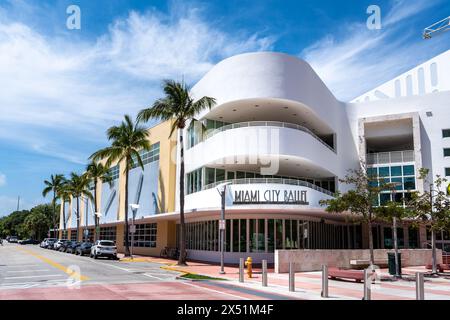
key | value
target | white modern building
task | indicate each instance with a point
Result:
(280, 141)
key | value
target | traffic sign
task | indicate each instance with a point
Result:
(133, 228)
(222, 225)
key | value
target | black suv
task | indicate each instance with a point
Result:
(84, 248)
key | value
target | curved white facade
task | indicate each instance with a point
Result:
(281, 141)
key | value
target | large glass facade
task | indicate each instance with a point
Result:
(144, 237)
(108, 233)
(402, 175)
(266, 235)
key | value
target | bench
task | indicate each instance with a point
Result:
(440, 266)
(357, 275)
(382, 263)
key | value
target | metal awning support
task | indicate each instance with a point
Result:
(438, 27)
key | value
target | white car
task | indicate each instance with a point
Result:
(58, 244)
(104, 248)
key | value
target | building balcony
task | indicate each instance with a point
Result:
(285, 149)
(390, 157)
(276, 124)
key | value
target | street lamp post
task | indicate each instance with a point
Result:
(222, 190)
(134, 209)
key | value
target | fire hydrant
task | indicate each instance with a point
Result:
(248, 264)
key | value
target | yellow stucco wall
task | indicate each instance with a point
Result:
(166, 193)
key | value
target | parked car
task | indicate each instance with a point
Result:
(104, 248)
(7, 238)
(59, 243)
(64, 245)
(43, 243)
(28, 241)
(84, 248)
(72, 247)
(13, 239)
(49, 243)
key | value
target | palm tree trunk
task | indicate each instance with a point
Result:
(78, 218)
(64, 215)
(95, 213)
(127, 243)
(181, 258)
(372, 259)
(54, 213)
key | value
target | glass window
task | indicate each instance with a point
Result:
(446, 152)
(383, 171)
(372, 172)
(220, 175)
(446, 133)
(145, 235)
(409, 183)
(398, 183)
(240, 175)
(413, 237)
(236, 235)
(398, 197)
(209, 175)
(384, 198)
(230, 175)
(447, 172)
(408, 170)
(294, 234)
(279, 233)
(261, 235)
(396, 171)
(253, 236)
(243, 235)
(270, 235)
(287, 234)
(249, 175)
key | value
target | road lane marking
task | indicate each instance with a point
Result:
(55, 264)
(44, 275)
(37, 270)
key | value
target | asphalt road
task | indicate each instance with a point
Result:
(30, 272)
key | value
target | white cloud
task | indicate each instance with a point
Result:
(360, 59)
(2, 179)
(59, 95)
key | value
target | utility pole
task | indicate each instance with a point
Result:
(18, 203)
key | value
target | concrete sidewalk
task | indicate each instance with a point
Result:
(308, 284)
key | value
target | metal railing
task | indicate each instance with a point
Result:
(277, 124)
(294, 182)
(390, 157)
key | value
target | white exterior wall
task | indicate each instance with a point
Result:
(279, 76)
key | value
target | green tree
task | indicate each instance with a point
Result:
(432, 207)
(78, 187)
(97, 172)
(38, 221)
(53, 185)
(127, 140)
(178, 105)
(361, 200)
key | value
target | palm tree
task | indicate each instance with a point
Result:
(126, 141)
(53, 185)
(63, 193)
(95, 172)
(177, 105)
(78, 187)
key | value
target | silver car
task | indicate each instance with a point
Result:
(58, 244)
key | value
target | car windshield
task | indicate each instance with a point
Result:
(106, 243)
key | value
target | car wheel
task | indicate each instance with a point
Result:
(95, 256)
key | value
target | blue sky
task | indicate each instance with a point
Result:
(61, 89)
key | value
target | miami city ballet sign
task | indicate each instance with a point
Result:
(270, 196)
